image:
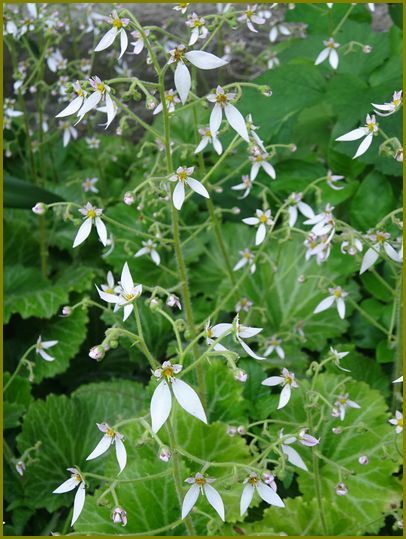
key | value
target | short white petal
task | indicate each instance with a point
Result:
(214, 499)
(188, 399)
(269, 495)
(355, 134)
(107, 39)
(252, 221)
(260, 235)
(363, 147)
(246, 498)
(100, 448)
(78, 503)
(197, 187)
(284, 397)
(178, 196)
(101, 230)
(292, 210)
(326, 303)
(183, 81)
(202, 145)
(293, 457)
(190, 499)
(236, 120)
(141, 252)
(254, 171)
(45, 356)
(205, 60)
(121, 454)
(389, 250)
(215, 118)
(66, 486)
(161, 404)
(83, 232)
(73, 107)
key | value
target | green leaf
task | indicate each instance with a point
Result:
(22, 194)
(16, 400)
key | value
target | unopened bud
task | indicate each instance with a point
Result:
(301, 279)
(231, 431)
(173, 301)
(119, 516)
(128, 199)
(363, 459)
(341, 489)
(140, 207)
(218, 189)
(150, 103)
(240, 375)
(266, 91)
(66, 310)
(97, 353)
(335, 412)
(399, 155)
(113, 343)
(366, 49)
(235, 211)
(165, 454)
(336, 430)
(20, 467)
(241, 430)
(40, 208)
(154, 304)
(292, 147)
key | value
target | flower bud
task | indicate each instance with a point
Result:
(235, 211)
(40, 208)
(266, 91)
(66, 310)
(341, 489)
(140, 207)
(335, 412)
(150, 103)
(97, 353)
(231, 431)
(218, 189)
(240, 375)
(154, 304)
(128, 199)
(119, 516)
(366, 49)
(292, 148)
(165, 454)
(363, 459)
(337, 430)
(20, 467)
(399, 155)
(173, 301)
(241, 430)
(301, 279)
(113, 343)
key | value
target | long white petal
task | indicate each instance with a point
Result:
(369, 259)
(341, 308)
(73, 107)
(284, 397)
(101, 230)
(246, 498)
(355, 134)
(363, 147)
(254, 171)
(66, 486)
(123, 42)
(293, 457)
(126, 279)
(128, 309)
(333, 59)
(141, 252)
(110, 109)
(215, 118)
(217, 145)
(292, 210)
(161, 404)
(110, 298)
(107, 39)
(190, 499)
(269, 495)
(78, 503)
(45, 356)
(272, 381)
(305, 210)
(326, 303)
(188, 399)
(214, 499)
(220, 329)
(50, 344)
(236, 120)
(389, 250)
(260, 235)
(83, 232)
(202, 144)
(89, 103)
(178, 196)
(248, 350)
(121, 454)
(197, 187)
(156, 259)
(322, 56)
(269, 169)
(183, 81)
(100, 448)
(205, 60)
(245, 332)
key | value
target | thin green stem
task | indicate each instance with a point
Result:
(18, 368)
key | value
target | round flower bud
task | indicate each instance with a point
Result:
(113, 343)
(231, 431)
(97, 353)
(335, 412)
(292, 147)
(240, 375)
(399, 155)
(150, 103)
(363, 459)
(241, 430)
(66, 310)
(301, 279)
(165, 454)
(341, 489)
(119, 516)
(154, 304)
(218, 189)
(20, 467)
(235, 211)
(366, 49)
(140, 207)
(40, 208)
(266, 91)
(337, 430)
(129, 199)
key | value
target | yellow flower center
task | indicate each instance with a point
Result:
(247, 255)
(100, 87)
(371, 126)
(77, 477)
(337, 293)
(178, 54)
(380, 237)
(168, 372)
(221, 98)
(129, 297)
(263, 218)
(249, 13)
(91, 214)
(400, 422)
(110, 432)
(396, 102)
(253, 481)
(200, 481)
(209, 333)
(117, 23)
(182, 176)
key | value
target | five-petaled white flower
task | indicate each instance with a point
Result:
(262, 220)
(337, 357)
(201, 485)
(125, 295)
(296, 204)
(171, 99)
(247, 257)
(110, 437)
(92, 217)
(76, 104)
(318, 246)
(275, 344)
(208, 138)
(149, 247)
(200, 59)
(110, 287)
(337, 295)
(253, 483)
(89, 184)
(332, 179)
(233, 115)
(68, 132)
(108, 39)
(161, 402)
(250, 17)
(258, 159)
(238, 330)
(198, 26)
(41, 346)
(350, 244)
(398, 421)
(379, 239)
(389, 108)
(101, 91)
(56, 61)
(244, 304)
(139, 43)
(367, 132)
(277, 29)
(246, 184)
(287, 380)
(76, 480)
(182, 7)
(182, 176)
(329, 52)
(323, 222)
(341, 405)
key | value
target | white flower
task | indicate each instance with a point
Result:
(110, 287)
(239, 331)
(323, 222)
(398, 380)
(182, 176)
(201, 485)
(41, 346)
(287, 381)
(318, 246)
(262, 220)
(126, 295)
(208, 138)
(330, 53)
(89, 184)
(398, 421)
(341, 489)
(252, 128)
(336, 296)
(292, 455)
(200, 59)
(149, 247)
(379, 239)
(182, 7)
(119, 516)
(337, 357)
(296, 204)
(253, 483)
(250, 17)
(307, 439)
(258, 159)
(245, 184)
(92, 217)
(247, 257)
(273, 60)
(68, 132)
(367, 133)
(233, 115)
(76, 480)
(117, 29)
(198, 26)
(278, 29)
(138, 44)
(244, 304)
(56, 61)
(342, 403)
(214, 332)
(389, 108)
(173, 301)
(275, 344)
(161, 402)
(240, 375)
(332, 179)
(20, 467)
(92, 142)
(101, 91)
(171, 99)
(110, 437)
(77, 102)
